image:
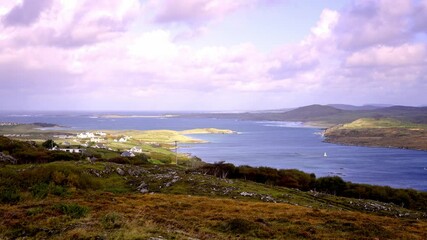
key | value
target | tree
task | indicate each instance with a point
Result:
(49, 144)
(334, 185)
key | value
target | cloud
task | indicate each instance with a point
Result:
(68, 24)
(26, 13)
(367, 23)
(195, 12)
(386, 56)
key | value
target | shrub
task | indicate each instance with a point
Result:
(49, 144)
(73, 210)
(40, 190)
(58, 190)
(333, 185)
(9, 194)
(34, 211)
(111, 220)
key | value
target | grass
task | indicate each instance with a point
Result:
(73, 210)
(382, 123)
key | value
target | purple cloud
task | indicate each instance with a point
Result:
(197, 12)
(26, 13)
(367, 23)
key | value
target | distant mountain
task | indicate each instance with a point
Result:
(311, 111)
(354, 108)
(281, 110)
(325, 115)
(378, 105)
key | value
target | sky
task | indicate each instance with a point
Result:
(156, 55)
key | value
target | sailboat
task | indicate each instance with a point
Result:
(324, 154)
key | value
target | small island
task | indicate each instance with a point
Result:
(382, 132)
(208, 131)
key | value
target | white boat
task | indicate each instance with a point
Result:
(324, 154)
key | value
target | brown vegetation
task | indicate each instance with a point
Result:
(138, 216)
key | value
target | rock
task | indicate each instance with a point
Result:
(247, 194)
(156, 238)
(142, 188)
(120, 171)
(7, 159)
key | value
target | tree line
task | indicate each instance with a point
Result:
(297, 179)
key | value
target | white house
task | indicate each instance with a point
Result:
(96, 139)
(122, 140)
(85, 135)
(103, 134)
(70, 150)
(136, 149)
(127, 154)
(100, 145)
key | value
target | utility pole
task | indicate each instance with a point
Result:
(176, 152)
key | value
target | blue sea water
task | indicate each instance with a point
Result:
(273, 144)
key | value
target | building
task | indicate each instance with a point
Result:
(70, 150)
(100, 145)
(96, 140)
(86, 135)
(136, 149)
(127, 154)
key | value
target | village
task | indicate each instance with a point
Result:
(100, 140)
(161, 146)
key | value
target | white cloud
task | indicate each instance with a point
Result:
(400, 56)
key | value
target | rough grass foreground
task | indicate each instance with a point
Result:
(165, 216)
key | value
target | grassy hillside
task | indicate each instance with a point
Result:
(103, 200)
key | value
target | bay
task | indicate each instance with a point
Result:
(272, 144)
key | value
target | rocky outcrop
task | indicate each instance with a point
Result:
(7, 159)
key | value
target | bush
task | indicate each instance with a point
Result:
(58, 190)
(237, 226)
(333, 185)
(111, 220)
(40, 190)
(9, 194)
(73, 210)
(49, 144)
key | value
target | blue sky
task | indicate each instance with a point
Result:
(211, 54)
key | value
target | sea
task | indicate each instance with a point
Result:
(283, 145)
